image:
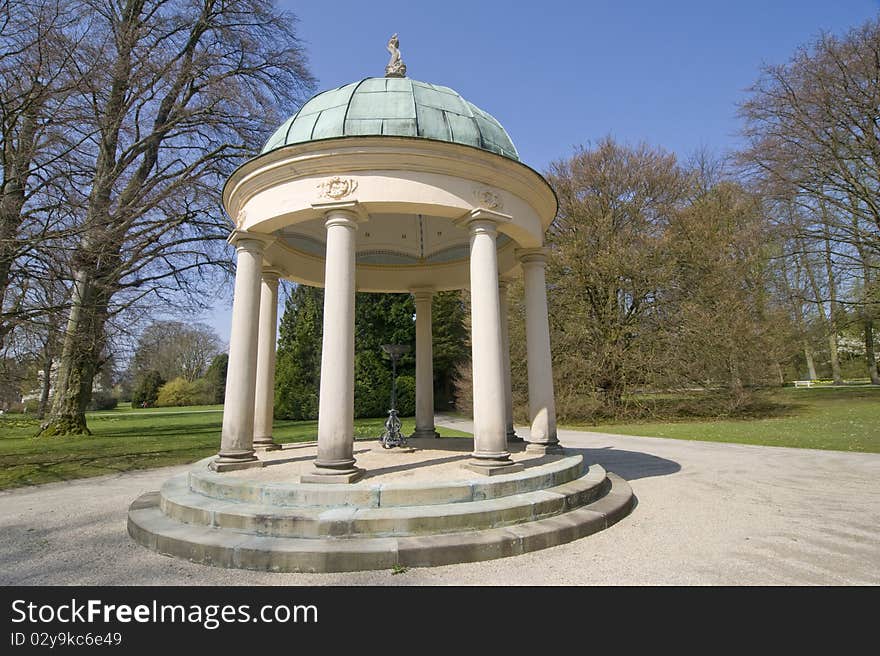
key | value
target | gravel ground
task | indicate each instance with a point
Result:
(707, 514)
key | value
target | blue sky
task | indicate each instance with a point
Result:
(561, 73)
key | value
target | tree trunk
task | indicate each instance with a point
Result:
(16, 170)
(46, 383)
(68, 414)
(78, 365)
(827, 322)
(870, 358)
(797, 313)
(833, 312)
(835, 359)
(10, 221)
(736, 384)
(811, 366)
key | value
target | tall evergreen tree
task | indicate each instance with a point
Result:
(380, 319)
(216, 376)
(451, 344)
(298, 362)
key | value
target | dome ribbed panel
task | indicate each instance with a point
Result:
(394, 107)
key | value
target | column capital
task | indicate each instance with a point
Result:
(272, 274)
(482, 219)
(422, 293)
(351, 210)
(341, 218)
(532, 255)
(249, 241)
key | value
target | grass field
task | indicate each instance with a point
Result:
(127, 439)
(835, 418)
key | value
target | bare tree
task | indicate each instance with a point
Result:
(724, 330)
(659, 278)
(37, 84)
(813, 143)
(812, 123)
(176, 350)
(790, 283)
(607, 268)
(183, 91)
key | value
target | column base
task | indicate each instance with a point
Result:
(425, 432)
(234, 462)
(323, 475)
(492, 467)
(265, 444)
(395, 449)
(513, 437)
(545, 448)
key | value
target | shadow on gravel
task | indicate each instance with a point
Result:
(629, 465)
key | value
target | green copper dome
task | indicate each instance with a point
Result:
(397, 107)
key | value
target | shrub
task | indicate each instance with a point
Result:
(299, 404)
(464, 391)
(372, 385)
(406, 396)
(216, 377)
(146, 390)
(102, 401)
(181, 392)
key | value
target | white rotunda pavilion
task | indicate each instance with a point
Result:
(384, 185)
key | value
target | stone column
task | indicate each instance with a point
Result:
(237, 436)
(265, 395)
(505, 339)
(542, 406)
(335, 462)
(424, 366)
(490, 454)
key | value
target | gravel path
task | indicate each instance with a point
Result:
(707, 514)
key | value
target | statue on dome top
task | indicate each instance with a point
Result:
(396, 67)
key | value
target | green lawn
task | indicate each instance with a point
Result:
(133, 438)
(126, 439)
(835, 418)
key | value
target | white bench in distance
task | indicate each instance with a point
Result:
(803, 383)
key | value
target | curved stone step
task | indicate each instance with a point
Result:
(151, 528)
(366, 494)
(179, 503)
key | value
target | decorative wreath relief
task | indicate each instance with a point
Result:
(488, 199)
(337, 188)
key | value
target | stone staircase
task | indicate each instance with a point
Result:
(231, 521)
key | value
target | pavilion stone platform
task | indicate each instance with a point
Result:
(411, 509)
